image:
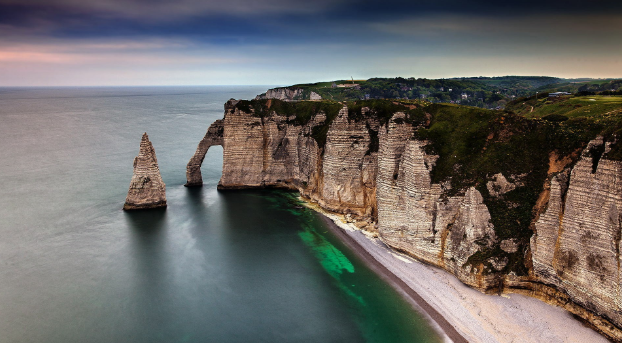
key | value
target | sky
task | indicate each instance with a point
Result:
(278, 42)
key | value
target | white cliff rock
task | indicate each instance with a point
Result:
(147, 190)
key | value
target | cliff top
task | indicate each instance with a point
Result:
(484, 92)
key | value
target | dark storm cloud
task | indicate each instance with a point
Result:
(238, 23)
(244, 21)
(121, 42)
(397, 9)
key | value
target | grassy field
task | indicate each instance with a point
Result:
(595, 106)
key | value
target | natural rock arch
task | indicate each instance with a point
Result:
(214, 136)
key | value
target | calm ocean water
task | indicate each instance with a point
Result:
(214, 267)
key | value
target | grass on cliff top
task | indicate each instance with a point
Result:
(595, 106)
(475, 144)
(302, 110)
(383, 110)
(602, 110)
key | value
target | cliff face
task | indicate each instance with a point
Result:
(147, 190)
(349, 168)
(379, 170)
(289, 94)
(576, 245)
(259, 151)
(271, 151)
(414, 216)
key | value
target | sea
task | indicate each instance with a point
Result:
(215, 266)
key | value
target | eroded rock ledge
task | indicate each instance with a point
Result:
(147, 190)
(549, 227)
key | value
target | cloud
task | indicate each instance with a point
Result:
(122, 53)
(162, 10)
(558, 25)
(282, 41)
(533, 34)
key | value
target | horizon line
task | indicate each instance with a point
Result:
(297, 83)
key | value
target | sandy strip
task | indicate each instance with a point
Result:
(461, 313)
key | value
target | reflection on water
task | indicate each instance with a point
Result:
(150, 287)
(148, 222)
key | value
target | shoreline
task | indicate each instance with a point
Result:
(456, 311)
(437, 321)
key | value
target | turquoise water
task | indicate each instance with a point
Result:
(244, 266)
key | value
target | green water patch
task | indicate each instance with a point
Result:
(381, 314)
(333, 260)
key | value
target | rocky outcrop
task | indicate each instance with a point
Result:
(314, 96)
(147, 190)
(377, 172)
(284, 94)
(289, 94)
(214, 136)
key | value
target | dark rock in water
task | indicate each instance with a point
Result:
(147, 190)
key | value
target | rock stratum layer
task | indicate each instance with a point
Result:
(147, 190)
(457, 188)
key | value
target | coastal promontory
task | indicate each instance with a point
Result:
(147, 190)
(523, 200)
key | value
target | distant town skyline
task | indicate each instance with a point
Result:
(277, 42)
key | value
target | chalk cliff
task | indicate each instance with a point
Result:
(147, 190)
(289, 94)
(416, 217)
(503, 202)
(576, 244)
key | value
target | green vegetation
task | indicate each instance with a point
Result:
(475, 144)
(484, 92)
(383, 110)
(595, 106)
(303, 110)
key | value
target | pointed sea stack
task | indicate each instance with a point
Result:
(147, 190)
